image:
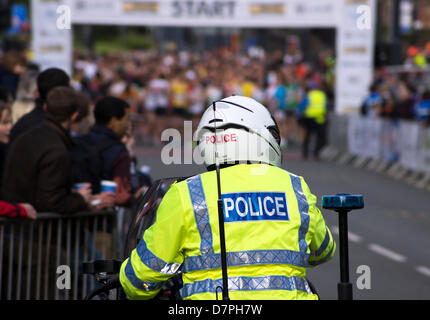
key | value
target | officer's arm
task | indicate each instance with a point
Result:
(322, 244)
(159, 254)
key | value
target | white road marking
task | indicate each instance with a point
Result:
(351, 236)
(382, 251)
(423, 270)
(387, 253)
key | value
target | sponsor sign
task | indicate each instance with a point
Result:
(51, 34)
(354, 69)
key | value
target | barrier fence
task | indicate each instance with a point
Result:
(401, 142)
(42, 259)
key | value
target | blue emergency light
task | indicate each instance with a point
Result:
(343, 201)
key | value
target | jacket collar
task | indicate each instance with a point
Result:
(99, 129)
(58, 128)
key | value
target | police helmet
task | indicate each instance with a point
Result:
(246, 132)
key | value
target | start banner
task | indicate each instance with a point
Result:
(353, 21)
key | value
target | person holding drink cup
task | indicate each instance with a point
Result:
(105, 199)
(110, 160)
(38, 164)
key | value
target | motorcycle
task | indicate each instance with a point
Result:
(106, 272)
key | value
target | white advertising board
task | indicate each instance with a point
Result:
(354, 64)
(51, 37)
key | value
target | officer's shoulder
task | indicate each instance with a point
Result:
(288, 173)
(183, 181)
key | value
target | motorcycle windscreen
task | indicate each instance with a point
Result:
(146, 212)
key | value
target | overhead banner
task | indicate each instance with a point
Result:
(51, 34)
(353, 21)
(214, 13)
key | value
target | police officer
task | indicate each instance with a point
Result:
(312, 114)
(273, 228)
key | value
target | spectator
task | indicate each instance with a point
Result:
(140, 180)
(112, 117)
(156, 103)
(38, 167)
(27, 88)
(81, 125)
(20, 210)
(5, 127)
(372, 105)
(404, 108)
(389, 106)
(12, 66)
(46, 81)
(5, 95)
(422, 108)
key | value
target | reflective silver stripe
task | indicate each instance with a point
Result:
(137, 283)
(201, 213)
(323, 245)
(153, 262)
(314, 263)
(241, 258)
(248, 284)
(303, 205)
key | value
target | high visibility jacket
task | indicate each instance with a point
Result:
(316, 108)
(273, 232)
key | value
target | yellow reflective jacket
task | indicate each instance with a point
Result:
(316, 108)
(273, 231)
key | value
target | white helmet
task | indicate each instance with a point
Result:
(245, 133)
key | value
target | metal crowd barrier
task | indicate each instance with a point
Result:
(338, 132)
(400, 148)
(337, 137)
(42, 259)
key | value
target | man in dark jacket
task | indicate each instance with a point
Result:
(112, 117)
(38, 166)
(46, 81)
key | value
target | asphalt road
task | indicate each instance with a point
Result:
(390, 236)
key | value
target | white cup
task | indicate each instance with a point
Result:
(108, 186)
